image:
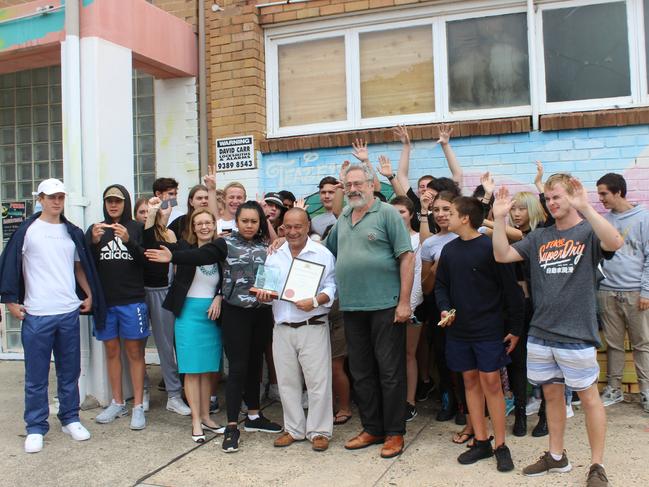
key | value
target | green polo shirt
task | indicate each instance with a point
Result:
(367, 265)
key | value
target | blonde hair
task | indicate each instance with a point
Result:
(191, 232)
(535, 211)
(559, 178)
(234, 184)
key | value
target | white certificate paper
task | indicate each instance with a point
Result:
(303, 280)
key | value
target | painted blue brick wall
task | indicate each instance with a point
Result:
(587, 154)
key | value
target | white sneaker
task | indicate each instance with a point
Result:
(77, 431)
(138, 419)
(33, 443)
(178, 406)
(273, 392)
(146, 398)
(533, 406)
(569, 411)
(611, 396)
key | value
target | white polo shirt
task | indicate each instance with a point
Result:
(287, 312)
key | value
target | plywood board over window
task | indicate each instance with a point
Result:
(312, 82)
(396, 68)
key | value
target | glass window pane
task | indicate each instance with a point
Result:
(41, 171)
(41, 152)
(39, 95)
(24, 135)
(55, 113)
(57, 170)
(13, 341)
(7, 136)
(24, 172)
(24, 116)
(24, 153)
(8, 171)
(397, 72)
(7, 80)
(25, 190)
(23, 97)
(305, 95)
(7, 117)
(40, 114)
(8, 191)
(56, 131)
(145, 145)
(40, 76)
(580, 62)
(41, 133)
(55, 94)
(488, 62)
(145, 125)
(7, 154)
(24, 78)
(146, 163)
(145, 105)
(145, 86)
(55, 75)
(56, 151)
(6, 98)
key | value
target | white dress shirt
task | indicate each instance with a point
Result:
(287, 312)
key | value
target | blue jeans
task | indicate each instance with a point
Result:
(42, 335)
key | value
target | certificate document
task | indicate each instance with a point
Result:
(302, 281)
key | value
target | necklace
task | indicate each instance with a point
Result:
(208, 270)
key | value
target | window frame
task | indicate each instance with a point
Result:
(438, 16)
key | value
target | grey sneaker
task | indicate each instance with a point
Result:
(111, 413)
(138, 420)
(596, 476)
(611, 395)
(644, 400)
(547, 464)
(178, 406)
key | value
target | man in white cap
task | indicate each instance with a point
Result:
(47, 277)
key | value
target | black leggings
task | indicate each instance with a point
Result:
(517, 369)
(245, 334)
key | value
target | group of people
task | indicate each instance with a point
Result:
(493, 290)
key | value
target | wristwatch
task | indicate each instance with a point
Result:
(423, 216)
(315, 302)
(391, 177)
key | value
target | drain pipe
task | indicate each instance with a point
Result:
(203, 150)
(72, 155)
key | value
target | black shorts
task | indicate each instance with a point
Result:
(486, 356)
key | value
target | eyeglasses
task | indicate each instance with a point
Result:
(355, 184)
(203, 224)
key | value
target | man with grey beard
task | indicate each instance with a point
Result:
(374, 273)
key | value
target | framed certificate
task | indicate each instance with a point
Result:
(303, 280)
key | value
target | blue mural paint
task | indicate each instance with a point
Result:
(30, 29)
(587, 153)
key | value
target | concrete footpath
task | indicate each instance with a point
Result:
(164, 455)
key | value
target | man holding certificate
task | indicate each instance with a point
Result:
(301, 345)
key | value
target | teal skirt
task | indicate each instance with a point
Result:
(198, 339)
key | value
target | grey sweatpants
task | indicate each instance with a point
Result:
(162, 324)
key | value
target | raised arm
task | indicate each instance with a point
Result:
(385, 169)
(209, 180)
(453, 164)
(339, 197)
(426, 200)
(503, 252)
(401, 132)
(360, 152)
(610, 238)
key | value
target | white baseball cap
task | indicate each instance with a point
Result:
(49, 187)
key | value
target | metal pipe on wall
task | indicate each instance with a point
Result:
(203, 149)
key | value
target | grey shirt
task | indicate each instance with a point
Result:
(563, 266)
(320, 222)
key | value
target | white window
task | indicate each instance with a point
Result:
(143, 134)
(456, 61)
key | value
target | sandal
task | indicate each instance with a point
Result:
(341, 418)
(462, 437)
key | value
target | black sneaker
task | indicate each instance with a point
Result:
(503, 459)
(424, 390)
(214, 406)
(576, 401)
(411, 411)
(541, 428)
(449, 407)
(231, 439)
(520, 423)
(480, 450)
(261, 424)
(460, 418)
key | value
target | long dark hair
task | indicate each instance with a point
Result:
(190, 210)
(263, 233)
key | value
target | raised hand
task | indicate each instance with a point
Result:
(385, 167)
(154, 202)
(301, 203)
(162, 255)
(360, 150)
(401, 132)
(426, 199)
(538, 179)
(343, 168)
(503, 203)
(579, 197)
(445, 132)
(488, 184)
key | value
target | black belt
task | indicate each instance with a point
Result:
(315, 320)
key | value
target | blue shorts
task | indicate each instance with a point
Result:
(486, 356)
(128, 321)
(572, 364)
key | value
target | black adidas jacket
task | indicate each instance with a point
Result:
(120, 264)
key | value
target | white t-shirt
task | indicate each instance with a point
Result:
(205, 280)
(49, 255)
(223, 225)
(416, 295)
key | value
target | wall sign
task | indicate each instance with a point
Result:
(13, 214)
(235, 153)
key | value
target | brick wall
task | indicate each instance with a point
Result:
(184, 9)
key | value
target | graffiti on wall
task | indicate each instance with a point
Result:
(587, 154)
